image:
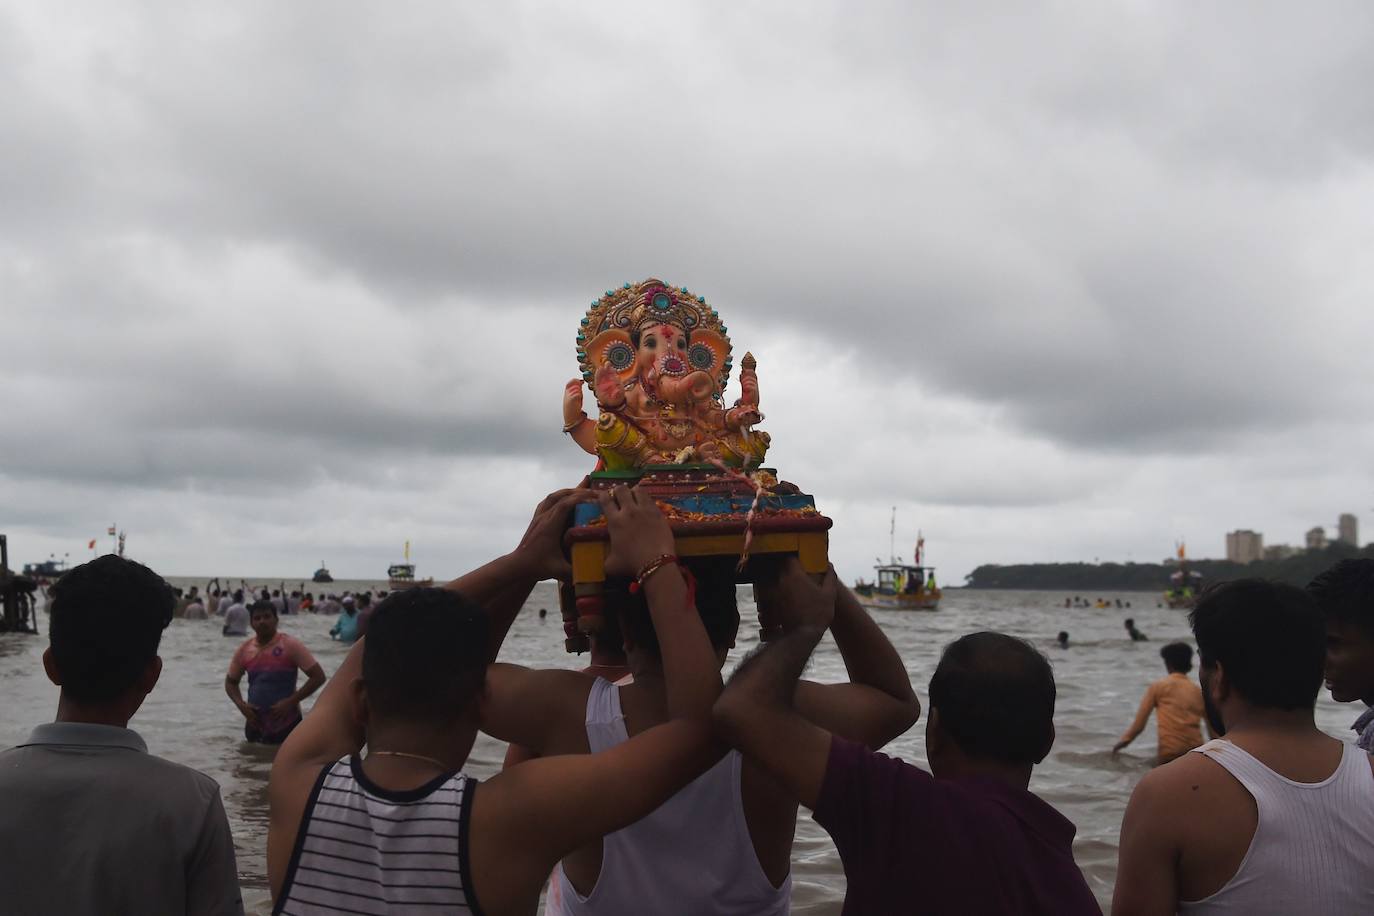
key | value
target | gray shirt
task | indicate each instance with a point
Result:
(93, 823)
(236, 620)
(1364, 727)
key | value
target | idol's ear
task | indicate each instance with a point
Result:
(611, 348)
(709, 351)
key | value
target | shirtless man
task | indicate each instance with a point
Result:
(411, 688)
(1273, 817)
(723, 845)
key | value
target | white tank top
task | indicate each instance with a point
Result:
(364, 849)
(1313, 849)
(691, 855)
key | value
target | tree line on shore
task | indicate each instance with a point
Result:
(1298, 569)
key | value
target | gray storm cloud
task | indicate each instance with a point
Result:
(294, 248)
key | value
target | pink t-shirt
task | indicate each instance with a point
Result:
(272, 673)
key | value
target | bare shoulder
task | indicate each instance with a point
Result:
(1189, 782)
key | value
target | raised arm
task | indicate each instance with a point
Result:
(502, 586)
(533, 815)
(878, 703)
(757, 711)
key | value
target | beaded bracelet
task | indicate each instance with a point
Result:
(658, 563)
(653, 566)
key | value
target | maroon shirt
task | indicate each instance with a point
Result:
(912, 843)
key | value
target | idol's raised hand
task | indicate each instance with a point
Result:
(639, 532)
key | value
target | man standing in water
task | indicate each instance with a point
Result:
(1136, 635)
(236, 617)
(1274, 817)
(92, 822)
(272, 660)
(1345, 594)
(1178, 702)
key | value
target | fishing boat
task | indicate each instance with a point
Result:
(47, 569)
(901, 586)
(322, 574)
(402, 575)
(1184, 584)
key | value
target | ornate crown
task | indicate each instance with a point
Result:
(605, 334)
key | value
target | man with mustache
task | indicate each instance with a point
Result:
(1273, 816)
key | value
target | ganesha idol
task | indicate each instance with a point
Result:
(658, 359)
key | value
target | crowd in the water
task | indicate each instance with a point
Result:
(236, 606)
(645, 784)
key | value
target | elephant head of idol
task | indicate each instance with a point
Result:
(663, 340)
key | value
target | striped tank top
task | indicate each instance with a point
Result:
(365, 849)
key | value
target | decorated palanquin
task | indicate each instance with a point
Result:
(658, 359)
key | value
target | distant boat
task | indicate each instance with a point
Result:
(322, 574)
(1184, 584)
(902, 586)
(48, 569)
(402, 575)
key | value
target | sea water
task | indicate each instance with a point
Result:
(1101, 678)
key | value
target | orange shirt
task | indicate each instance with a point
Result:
(1178, 701)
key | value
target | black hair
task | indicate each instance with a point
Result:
(1130, 622)
(262, 606)
(104, 624)
(715, 599)
(995, 695)
(425, 656)
(238, 596)
(364, 599)
(1269, 638)
(1178, 656)
(1345, 593)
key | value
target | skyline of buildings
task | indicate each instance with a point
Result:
(1246, 546)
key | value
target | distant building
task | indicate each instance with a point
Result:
(1349, 530)
(1316, 538)
(1280, 552)
(1244, 546)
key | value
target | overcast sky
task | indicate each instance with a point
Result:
(284, 283)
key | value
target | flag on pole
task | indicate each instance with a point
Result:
(920, 546)
(112, 531)
(91, 545)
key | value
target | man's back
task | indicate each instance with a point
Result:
(1178, 714)
(92, 823)
(1297, 840)
(913, 843)
(656, 863)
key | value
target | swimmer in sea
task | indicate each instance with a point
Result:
(1062, 639)
(1136, 635)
